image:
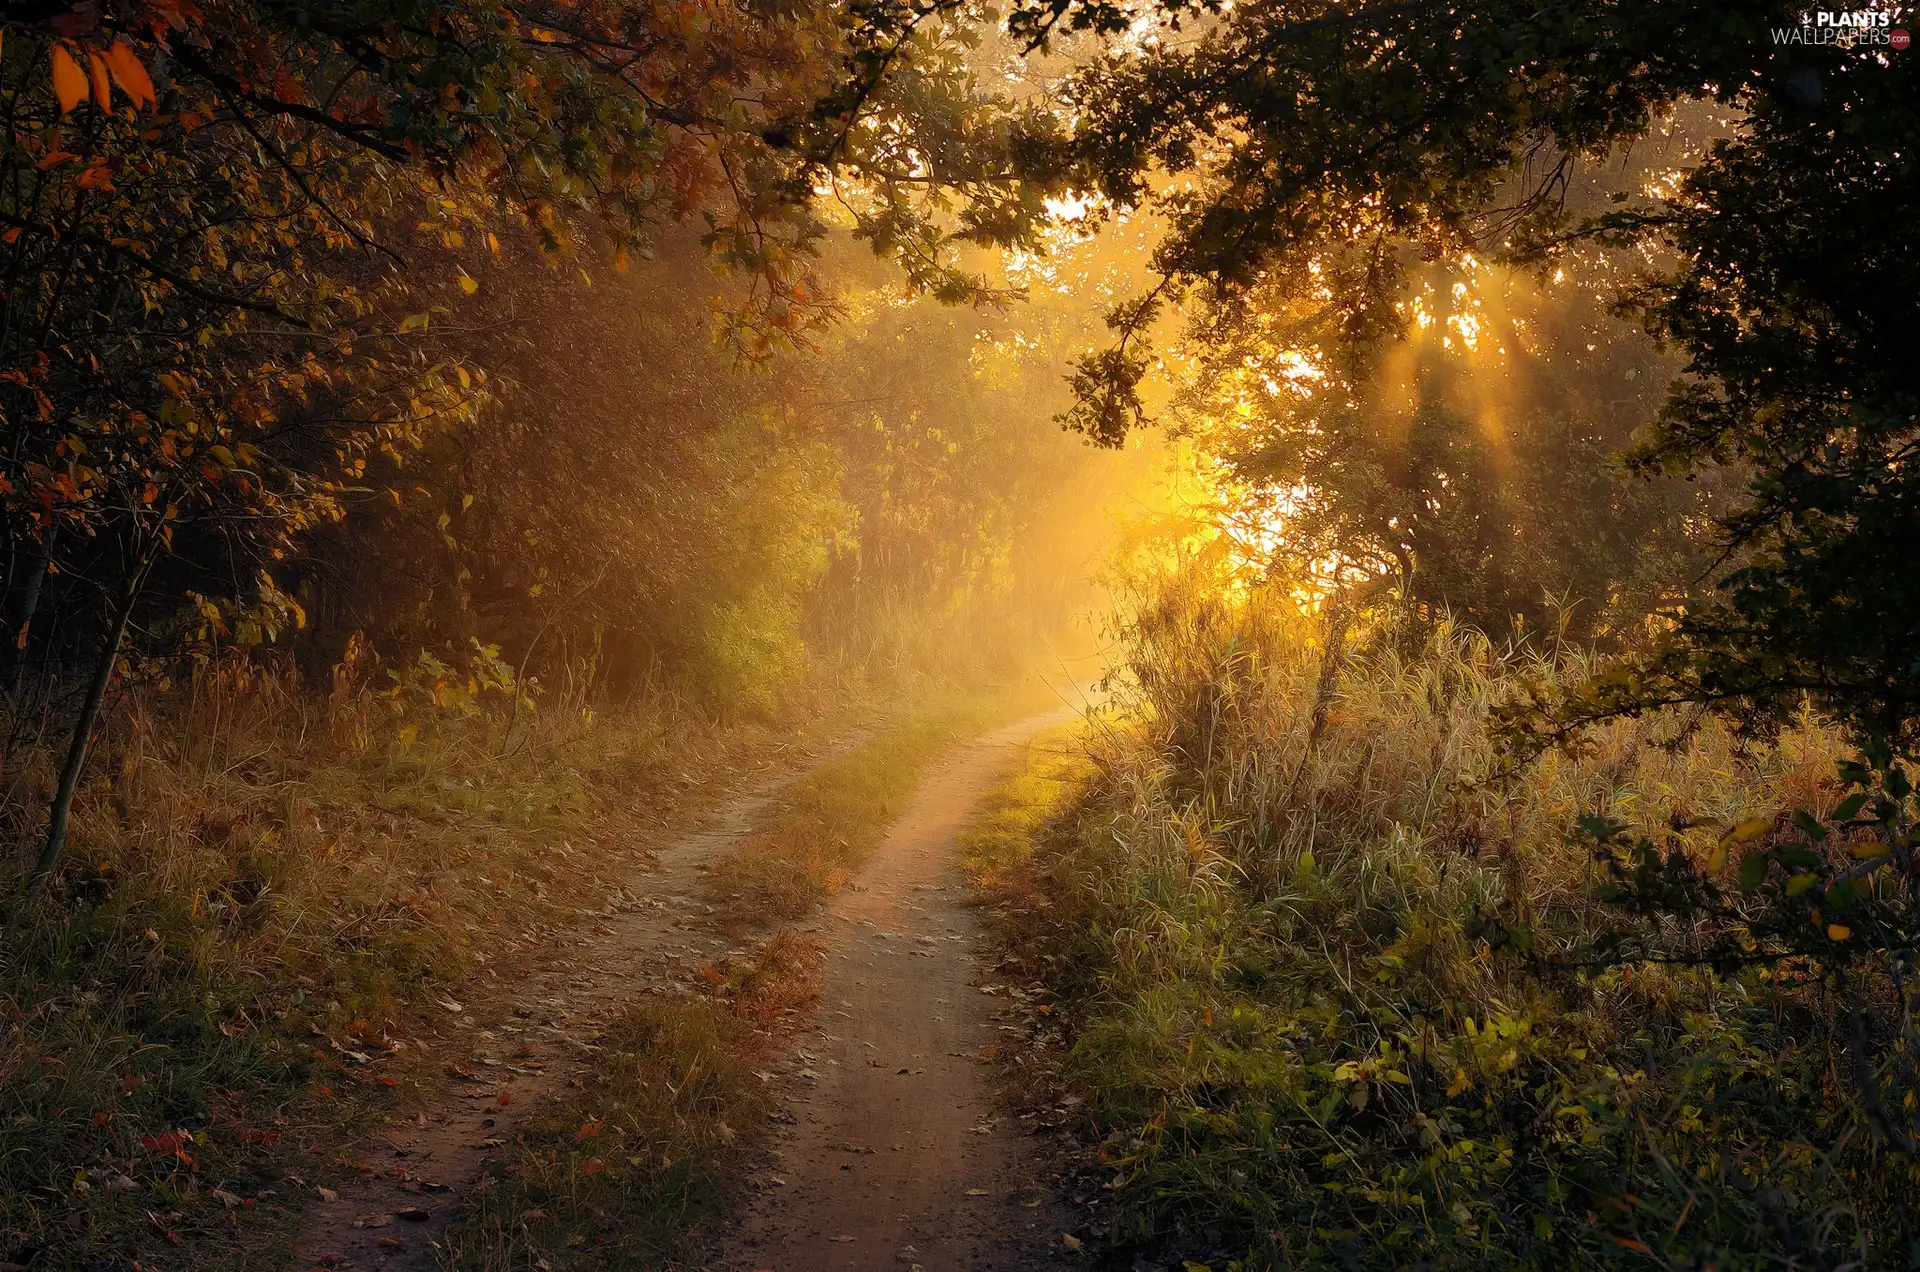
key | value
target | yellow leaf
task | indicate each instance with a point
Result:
(1799, 883)
(467, 284)
(1838, 931)
(1750, 829)
(131, 75)
(466, 381)
(222, 454)
(69, 81)
(102, 89)
(493, 244)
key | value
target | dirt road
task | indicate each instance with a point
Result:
(514, 1042)
(895, 1157)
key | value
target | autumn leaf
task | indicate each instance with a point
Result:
(69, 81)
(102, 87)
(131, 75)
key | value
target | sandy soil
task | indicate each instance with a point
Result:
(896, 1156)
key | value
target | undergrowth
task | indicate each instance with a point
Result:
(1259, 902)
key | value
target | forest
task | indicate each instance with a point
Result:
(920, 634)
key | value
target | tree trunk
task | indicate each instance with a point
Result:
(82, 739)
(23, 616)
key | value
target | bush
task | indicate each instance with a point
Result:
(1272, 928)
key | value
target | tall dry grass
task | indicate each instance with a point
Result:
(262, 886)
(1264, 917)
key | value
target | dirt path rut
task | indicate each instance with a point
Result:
(516, 1040)
(896, 1157)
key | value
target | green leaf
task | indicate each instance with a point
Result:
(1849, 806)
(1600, 828)
(1754, 869)
(1809, 825)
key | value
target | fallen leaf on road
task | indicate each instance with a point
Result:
(843, 1238)
(327, 1194)
(976, 1192)
(1070, 1241)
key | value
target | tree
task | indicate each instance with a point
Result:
(1477, 467)
(1333, 149)
(1327, 155)
(210, 328)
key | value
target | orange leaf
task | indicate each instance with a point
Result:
(69, 81)
(588, 1129)
(592, 1166)
(130, 74)
(102, 88)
